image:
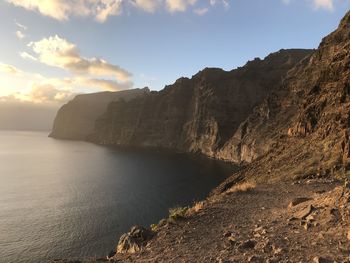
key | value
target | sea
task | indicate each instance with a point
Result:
(70, 199)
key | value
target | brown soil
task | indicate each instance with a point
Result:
(257, 226)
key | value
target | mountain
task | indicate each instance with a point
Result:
(302, 130)
(294, 144)
(197, 115)
(76, 119)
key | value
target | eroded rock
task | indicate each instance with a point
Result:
(298, 201)
(134, 240)
(302, 214)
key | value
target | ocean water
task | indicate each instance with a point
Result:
(66, 199)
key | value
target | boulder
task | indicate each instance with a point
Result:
(134, 240)
(302, 214)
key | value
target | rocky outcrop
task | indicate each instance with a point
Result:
(76, 119)
(135, 240)
(197, 115)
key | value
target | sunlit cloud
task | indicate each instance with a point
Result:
(179, 5)
(20, 34)
(201, 11)
(46, 90)
(9, 69)
(40, 94)
(317, 4)
(104, 84)
(58, 52)
(26, 55)
(63, 9)
(101, 10)
(43, 93)
(324, 4)
(147, 5)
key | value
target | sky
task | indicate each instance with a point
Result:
(51, 50)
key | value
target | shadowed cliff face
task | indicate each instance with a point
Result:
(76, 119)
(303, 129)
(199, 114)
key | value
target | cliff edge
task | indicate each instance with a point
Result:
(197, 115)
(76, 119)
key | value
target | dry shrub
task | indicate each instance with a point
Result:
(242, 187)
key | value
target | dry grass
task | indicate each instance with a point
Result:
(195, 208)
(242, 187)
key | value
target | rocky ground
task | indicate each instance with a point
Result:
(270, 223)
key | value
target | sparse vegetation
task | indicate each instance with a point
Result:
(177, 212)
(154, 227)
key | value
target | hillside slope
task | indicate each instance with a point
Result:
(302, 130)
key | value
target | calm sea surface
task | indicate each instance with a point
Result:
(62, 199)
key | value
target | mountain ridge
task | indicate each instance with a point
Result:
(195, 115)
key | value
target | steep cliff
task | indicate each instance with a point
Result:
(76, 119)
(302, 129)
(199, 114)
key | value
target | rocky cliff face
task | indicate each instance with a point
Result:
(302, 129)
(196, 115)
(76, 119)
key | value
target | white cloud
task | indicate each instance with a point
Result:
(324, 4)
(148, 5)
(20, 34)
(26, 55)
(101, 10)
(20, 25)
(63, 9)
(201, 11)
(317, 4)
(179, 5)
(58, 52)
(104, 9)
(57, 9)
(225, 3)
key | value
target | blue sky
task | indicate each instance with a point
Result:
(137, 43)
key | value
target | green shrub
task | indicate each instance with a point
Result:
(177, 212)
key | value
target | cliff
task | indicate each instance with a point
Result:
(76, 119)
(297, 140)
(302, 130)
(197, 115)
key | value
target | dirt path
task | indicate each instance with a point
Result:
(253, 226)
